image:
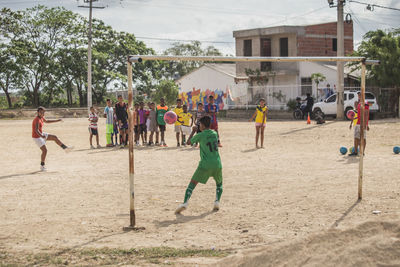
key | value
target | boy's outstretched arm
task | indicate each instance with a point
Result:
(191, 135)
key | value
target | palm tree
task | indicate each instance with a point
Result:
(317, 78)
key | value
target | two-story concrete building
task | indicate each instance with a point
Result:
(290, 41)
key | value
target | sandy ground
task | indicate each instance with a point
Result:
(299, 185)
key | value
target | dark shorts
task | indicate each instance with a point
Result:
(162, 128)
(124, 126)
(136, 129)
(93, 131)
(142, 128)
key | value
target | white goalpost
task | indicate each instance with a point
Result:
(139, 58)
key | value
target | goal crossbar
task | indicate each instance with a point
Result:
(139, 58)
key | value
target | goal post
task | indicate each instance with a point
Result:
(140, 58)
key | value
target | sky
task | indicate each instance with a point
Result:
(213, 21)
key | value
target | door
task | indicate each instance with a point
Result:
(330, 105)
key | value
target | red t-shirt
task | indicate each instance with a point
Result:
(359, 113)
(40, 121)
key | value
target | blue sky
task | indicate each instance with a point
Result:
(215, 20)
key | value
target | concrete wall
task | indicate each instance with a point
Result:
(256, 52)
(317, 39)
(198, 85)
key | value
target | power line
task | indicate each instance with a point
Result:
(182, 40)
(371, 7)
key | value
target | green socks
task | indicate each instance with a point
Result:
(189, 191)
(219, 191)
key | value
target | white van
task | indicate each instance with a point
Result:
(328, 107)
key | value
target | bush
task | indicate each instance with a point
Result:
(291, 104)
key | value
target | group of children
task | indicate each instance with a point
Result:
(204, 132)
(149, 124)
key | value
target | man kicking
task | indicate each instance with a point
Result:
(40, 137)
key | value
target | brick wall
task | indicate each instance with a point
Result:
(317, 40)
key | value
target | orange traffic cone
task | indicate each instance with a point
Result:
(308, 119)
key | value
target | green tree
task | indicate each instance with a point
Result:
(167, 89)
(385, 47)
(317, 78)
(173, 69)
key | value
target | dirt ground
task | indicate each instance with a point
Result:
(299, 185)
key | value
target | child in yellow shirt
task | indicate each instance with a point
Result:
(261, 121)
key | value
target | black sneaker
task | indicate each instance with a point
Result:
(353, 154)
(178, 144)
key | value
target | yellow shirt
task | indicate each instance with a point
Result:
(178, 112)
(260, 114)
(355, 120)
(185, 117)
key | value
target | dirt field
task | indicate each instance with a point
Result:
(296, 187)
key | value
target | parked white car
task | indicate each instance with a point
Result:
(328, 107)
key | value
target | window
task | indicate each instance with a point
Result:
(369, 96)
(247, 51)
(351, 96)
(334, 44)
(331, 99)
(345, 97)
(265, 52)
(284, 47)
(306, 86)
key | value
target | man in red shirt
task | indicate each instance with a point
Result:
(40, 137)
(357, 127)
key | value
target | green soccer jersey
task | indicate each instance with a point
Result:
(160, 111)
(209, 156)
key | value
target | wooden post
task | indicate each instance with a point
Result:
(131, 117)
(362, 127)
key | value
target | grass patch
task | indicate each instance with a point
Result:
(107, 256)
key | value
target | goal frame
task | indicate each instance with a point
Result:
(140, 58)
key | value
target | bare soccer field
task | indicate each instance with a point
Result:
(292, 201)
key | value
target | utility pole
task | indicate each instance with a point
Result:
(339, 64)
(89, 72)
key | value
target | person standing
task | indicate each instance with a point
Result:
(122, 116)
(310, 103)
(212, 111)
(261, 121)
(93, 118)
(178, 110)
(160, 112)
(40, 137)
(109, 115)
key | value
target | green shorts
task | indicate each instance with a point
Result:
(202, 175)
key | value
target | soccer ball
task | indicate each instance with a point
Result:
(343, 150)
(170, 117)
(396, 150)
(350, 114)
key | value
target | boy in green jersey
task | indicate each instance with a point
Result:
(160, 112)
(209, 165)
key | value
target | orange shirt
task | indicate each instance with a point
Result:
(34, 122)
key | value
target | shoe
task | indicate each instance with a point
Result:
(91, 147)
(178, 144)
(157, 144)
(216, 205)
(219, 145)
(98, 146)
(181, 208)
(68, 149)
(122, 146)
(353, 154)
(43, 168)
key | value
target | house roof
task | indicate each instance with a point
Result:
(228, 69)
(348, 70)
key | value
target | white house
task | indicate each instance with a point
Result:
(218, 80)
